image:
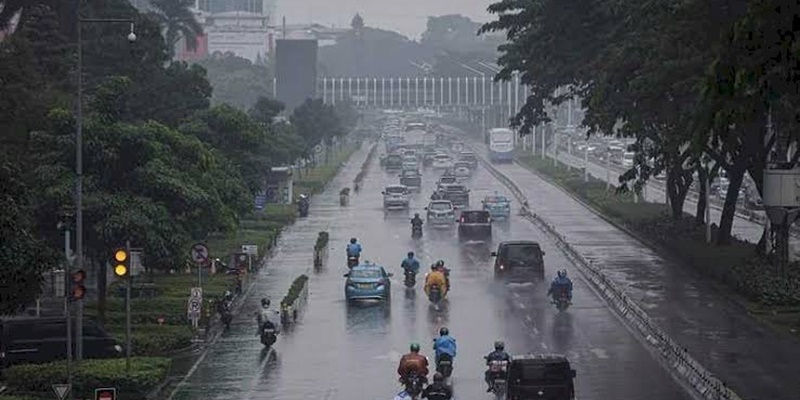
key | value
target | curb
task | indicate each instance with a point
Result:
(698, 381)
(363, 171)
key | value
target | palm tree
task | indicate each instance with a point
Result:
(176, 17)
(9, 9)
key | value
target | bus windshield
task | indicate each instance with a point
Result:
(501, 135)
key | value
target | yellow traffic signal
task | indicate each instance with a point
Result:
(121, 263)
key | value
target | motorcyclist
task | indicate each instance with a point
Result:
(561, 282)
(413, 362)
(410, 264)
(499, 354)
(437, 390)
(439, 266)
(416, 221)
(354, 249)
(437, 195)
(444, 344)
(265, 315)
(435, 277)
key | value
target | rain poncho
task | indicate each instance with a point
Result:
(411, 265)
(354, 249)
(445, 345)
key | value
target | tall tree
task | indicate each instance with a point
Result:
(178, 21)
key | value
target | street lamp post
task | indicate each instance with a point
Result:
(79, 173)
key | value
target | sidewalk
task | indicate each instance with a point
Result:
(755, 361)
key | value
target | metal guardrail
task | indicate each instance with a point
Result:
(704, 384)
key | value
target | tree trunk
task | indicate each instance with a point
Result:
(677, 187)
(735, 177)
(700, 215)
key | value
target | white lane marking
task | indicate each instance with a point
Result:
(529, 318)
(522, 306)
(535, 331)
(392, 356)
(599, 353)
(544, 346)
(516, 294)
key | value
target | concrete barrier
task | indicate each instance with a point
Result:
(700, 382)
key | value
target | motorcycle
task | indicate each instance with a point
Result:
(498, 370)
(416, 231)
(561, 300)
(411, 279)
(435, 294)
(414, 385)
(445, 365)
(225, 314)
(268, 334)
(302, 206)
(352, 261)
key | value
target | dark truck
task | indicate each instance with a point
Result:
(394, 161)
(546, 377)
(468, 156)
(519, 261)
(26, 340)
(457, 194)
(475, 225)
(411, 178)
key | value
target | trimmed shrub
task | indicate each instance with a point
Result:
(322, 241)
(146, 373)
(294, 290)
(155, 340)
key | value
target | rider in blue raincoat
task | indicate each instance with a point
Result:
(444, 344)
(561, 282)
(354, 248)
(410, 264)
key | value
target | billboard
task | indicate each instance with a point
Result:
(295, 71)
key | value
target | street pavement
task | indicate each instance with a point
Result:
(338, 351)
(752, 359)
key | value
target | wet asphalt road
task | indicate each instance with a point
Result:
(341, 352)
(755, 361)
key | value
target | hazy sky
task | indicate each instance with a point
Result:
(405, 16)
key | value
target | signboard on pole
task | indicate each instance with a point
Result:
(61, 390)
(199, 253)
(105, 394)
(195, 305)
(251, 249)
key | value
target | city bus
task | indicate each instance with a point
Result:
(501, 145)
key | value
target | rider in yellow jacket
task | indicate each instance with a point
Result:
(435, 277)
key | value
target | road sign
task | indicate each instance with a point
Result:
(318, 149)
(195, 304)
(251, 249)
(61, 390)
(105, 394)
(197, 293)
(199, 253)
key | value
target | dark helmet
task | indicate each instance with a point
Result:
(265, 302)
(410, 254)
(414, 347)
(444, 331)
(498, 345)
(440, 263)
(416, 215)
(562, 273)
(438, 377)
(353, 240)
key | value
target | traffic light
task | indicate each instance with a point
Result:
(122, 262)
(78, 289)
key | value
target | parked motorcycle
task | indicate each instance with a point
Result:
(498, 370)
(302, 206)
(445, 365)
(225, 313)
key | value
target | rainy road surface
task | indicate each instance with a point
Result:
(351, 352)
(755, 361)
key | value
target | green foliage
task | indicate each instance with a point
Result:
(294, 291)
(156, 340)
(322, 240)
(237, 81)
(145, 374)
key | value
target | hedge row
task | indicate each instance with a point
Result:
(322, 241)
(154, 339)
(145, 374)
(294, 290)
(736, 265)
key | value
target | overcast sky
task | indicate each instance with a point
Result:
(405, 16)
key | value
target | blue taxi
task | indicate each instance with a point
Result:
(498, 206)
(367, 282)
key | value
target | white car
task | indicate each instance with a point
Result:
(410, 162)
(441, 213)
(462, 169)
(395, 196)
(442, 161)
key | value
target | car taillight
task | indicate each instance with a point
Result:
(462, 220)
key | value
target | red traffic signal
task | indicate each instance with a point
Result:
(78, 288)
(105, 394)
